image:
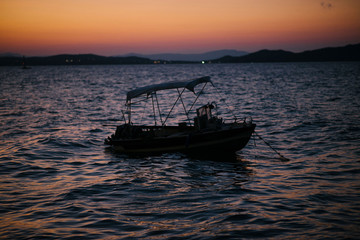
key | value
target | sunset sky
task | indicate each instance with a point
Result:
(113, 27)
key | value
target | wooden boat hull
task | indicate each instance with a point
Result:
(229, 140)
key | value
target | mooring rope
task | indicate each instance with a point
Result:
(224, 101)
(281, 156)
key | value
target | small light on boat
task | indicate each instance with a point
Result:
(203, 62)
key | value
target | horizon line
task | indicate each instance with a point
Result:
(179, 53)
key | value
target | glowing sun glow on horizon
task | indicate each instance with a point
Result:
(112, 27)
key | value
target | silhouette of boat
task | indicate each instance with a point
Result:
(24, 66)
(205, 134)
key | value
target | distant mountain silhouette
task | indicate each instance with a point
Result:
(347, 53)
(190, 57)
(69, 59)
(9, 54)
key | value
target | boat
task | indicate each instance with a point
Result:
(24, 66)
(205, 133)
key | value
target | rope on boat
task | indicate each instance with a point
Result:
(281, 156)
(224, 100)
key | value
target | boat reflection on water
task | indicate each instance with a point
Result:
(206, 134)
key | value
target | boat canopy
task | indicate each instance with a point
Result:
(190, 85)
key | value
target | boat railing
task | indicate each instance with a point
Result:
(244, 120)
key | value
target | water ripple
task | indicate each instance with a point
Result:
(58, 181)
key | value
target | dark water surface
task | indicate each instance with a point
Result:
(58, 181)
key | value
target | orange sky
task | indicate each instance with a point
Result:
(112, 27)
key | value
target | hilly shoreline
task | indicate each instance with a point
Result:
(345, 53)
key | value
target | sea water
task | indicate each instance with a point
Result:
(59, 181)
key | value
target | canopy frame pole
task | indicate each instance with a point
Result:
(173, 107)
(129, 111)
(123, 115)
(187, 115)
(153, 105)
(197, 96)
(144, 111)
(158, 107)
